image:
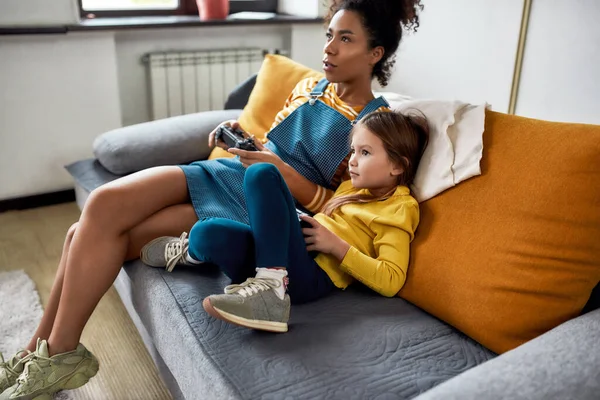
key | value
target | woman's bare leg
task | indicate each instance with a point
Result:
(45, 326)
(101, 242)
(170, 221)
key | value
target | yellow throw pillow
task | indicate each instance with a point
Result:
(276, 79)
(509, 255)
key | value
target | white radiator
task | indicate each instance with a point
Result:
(183, 82)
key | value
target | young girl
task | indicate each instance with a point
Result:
(363, 233)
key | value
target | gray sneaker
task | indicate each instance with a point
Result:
(166, 251)
(11, 369)
(253, 304)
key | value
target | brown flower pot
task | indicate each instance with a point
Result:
(213, 9)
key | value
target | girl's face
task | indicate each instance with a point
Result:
(370, 166)
(347, 56)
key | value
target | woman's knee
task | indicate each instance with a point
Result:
(103, 204)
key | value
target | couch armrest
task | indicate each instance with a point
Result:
(564, 363)
(170, 141)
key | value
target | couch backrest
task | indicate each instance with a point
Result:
(238, 98)
(512, 253)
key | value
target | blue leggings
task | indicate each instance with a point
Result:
(273, 239)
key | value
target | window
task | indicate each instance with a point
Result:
(113, 5)
(134, 8)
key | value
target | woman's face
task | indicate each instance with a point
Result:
(347, 54)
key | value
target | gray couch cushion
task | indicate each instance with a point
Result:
(352, 345)
(176, 140)
(355, 344)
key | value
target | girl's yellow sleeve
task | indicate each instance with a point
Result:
(386, 272)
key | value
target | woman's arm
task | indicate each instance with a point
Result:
(309, 194)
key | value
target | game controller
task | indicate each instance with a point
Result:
(234, 138)
(303, 224)
(306, 224)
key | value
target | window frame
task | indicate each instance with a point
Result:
(186, 7)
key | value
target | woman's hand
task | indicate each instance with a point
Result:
(319, 238)
(263, 155)
(211, 137)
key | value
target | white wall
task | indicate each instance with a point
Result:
(307, 42)
(464, 49)
(561, 72)
(132, 45)
(38, 12)
(303, 8)
(57, 92)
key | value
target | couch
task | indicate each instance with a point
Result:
(350, 345)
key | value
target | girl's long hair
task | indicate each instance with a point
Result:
(404, 138)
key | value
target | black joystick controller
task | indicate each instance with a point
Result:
(234, 138)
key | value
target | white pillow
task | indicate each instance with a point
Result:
(394, 99)
(455, 142)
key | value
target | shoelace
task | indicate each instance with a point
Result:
(253, 286)
(24, 359)
(175, 251)
(32, 361)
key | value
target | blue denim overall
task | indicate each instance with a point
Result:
(313, 140)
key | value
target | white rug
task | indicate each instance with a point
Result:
(20, 314)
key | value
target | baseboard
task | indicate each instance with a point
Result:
(38, 200)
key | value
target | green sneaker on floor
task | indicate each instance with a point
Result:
(258, 303)
(43, 375)
(11, 369)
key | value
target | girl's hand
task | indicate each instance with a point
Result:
(319, 238)
(211, 137)
(263, 155)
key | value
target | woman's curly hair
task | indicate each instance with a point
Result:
(384, 21)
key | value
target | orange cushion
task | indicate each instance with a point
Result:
(276, 79)
(512, 253)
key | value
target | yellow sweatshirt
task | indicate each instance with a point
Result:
(379, 234)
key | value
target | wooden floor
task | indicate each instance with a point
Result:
(32, 240)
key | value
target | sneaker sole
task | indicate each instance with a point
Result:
(269, 326)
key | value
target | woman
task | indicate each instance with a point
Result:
(121, 216)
